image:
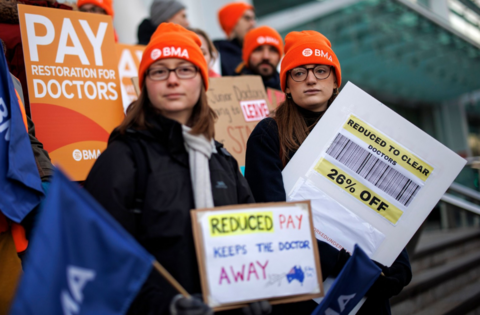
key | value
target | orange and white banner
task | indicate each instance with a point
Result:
(73, 83)
(129, 57)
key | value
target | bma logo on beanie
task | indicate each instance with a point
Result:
(156, 53)
(169, 52)
(307, 52)
(267, 40)
(321, 53)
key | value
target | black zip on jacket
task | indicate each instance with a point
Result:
(165, 223)
(263, 171)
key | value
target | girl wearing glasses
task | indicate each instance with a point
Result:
(310, 77)
(161, 162)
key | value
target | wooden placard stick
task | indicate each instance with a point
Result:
(170, 279)
(136, 85)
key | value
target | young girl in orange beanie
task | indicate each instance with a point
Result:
(310, 77)
(161, 162)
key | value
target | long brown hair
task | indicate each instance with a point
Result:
(202, 120)
(292, 129)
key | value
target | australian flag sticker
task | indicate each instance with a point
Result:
(296, 273)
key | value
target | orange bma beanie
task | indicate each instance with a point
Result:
(263, 35)
(107, 5)
(229, 15)
(304, 48)
(173, 41)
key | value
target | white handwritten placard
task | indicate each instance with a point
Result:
(256, 252)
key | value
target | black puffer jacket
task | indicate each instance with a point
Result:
(165, 225)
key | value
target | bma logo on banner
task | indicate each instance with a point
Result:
(85, 154)
(4, 121)
(342, 302)
(72, 299)
(254, 110)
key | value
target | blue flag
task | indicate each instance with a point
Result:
(20, 184)
(80, 260)
(356, 277)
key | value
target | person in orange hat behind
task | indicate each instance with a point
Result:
(261, 54)
(163, 161)
(236, 19)
(310, 76)
(99, 7)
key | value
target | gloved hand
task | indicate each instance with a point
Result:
(385, 287)
(393, 278)
(257, 308)
(181, 305)
(342, 259)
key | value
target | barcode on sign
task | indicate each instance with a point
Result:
(373, 169)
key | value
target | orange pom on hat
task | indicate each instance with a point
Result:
(107, 5)
(307, 47)
(229, 15)
(173, 41)
(263, 35)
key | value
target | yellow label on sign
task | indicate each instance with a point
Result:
(226, 224)
(369, 198)
(381, 145)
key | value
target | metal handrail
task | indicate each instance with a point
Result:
(465, 191)
(458, 202)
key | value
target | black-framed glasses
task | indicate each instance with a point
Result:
(321, 72)
(162, 73)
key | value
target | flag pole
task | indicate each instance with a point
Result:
(170, 279)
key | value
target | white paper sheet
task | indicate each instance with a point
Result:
(332, 221)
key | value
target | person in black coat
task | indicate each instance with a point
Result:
(261, 54)
(236, 19)
(310, 77)
(172, 126)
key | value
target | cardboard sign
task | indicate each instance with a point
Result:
(240, 103)
(73, 83)
(384, 171)
(129, 57)
(275, 97)
(254, 252)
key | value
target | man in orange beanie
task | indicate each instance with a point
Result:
(96, 6)
(262, 51)
(236, 19)
(99, 7)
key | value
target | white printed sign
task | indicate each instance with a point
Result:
(384, 172)
(257, 252)
(376, 164)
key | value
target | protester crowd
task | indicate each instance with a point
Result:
(163, 159)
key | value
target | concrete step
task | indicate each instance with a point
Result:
(436, 248)
(433, 284)
(462, 301)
